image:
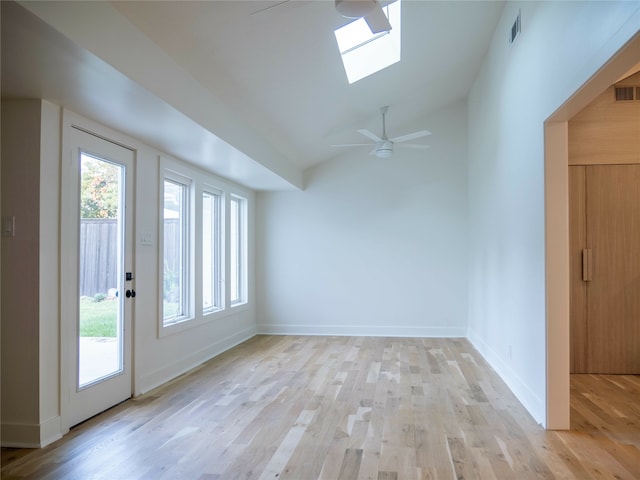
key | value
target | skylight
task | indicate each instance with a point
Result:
(364, 53)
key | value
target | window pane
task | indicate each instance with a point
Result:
(234, 250)
(211, 298)
(237, 250)
(364, 53)
(101, 264)
(175, 252)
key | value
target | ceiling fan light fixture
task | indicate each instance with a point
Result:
(355, 8)
(384, 149)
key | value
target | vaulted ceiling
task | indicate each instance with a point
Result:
(261, 79)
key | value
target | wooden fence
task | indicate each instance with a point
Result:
(98, 255)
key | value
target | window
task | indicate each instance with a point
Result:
(237, 250)
(203, 245)
(211, 261)
(175, 278)
(364, 53)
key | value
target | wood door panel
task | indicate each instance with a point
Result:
(578, 291)
(613, 296)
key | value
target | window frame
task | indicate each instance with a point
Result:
(217, 256)
(201, 181)
(241, 246)
(186, 253)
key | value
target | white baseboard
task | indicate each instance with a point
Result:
(30, 435)
(532, 402)
(50, 431)
(363, 331)
(158, 377)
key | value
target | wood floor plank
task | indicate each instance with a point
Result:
(387, 475)
(305, 408)
(350, 464)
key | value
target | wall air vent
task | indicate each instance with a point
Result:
(624, 93)
(515, 29)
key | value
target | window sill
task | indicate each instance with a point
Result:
(203, 319)
(176, 327)
(238, 305)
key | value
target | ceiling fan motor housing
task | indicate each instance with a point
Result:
(384, 149)
(355, 8)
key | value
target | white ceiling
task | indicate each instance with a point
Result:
(269, 81)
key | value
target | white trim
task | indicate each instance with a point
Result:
(534, 404)
(242, 247)
(21, 435)
(363, 331)
(187, 223)
(218, 254)
(50, 431)
(31, 435)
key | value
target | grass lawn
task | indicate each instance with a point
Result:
(98, 319)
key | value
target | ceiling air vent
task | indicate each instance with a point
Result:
(624, 93)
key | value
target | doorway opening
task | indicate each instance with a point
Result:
(557, 230)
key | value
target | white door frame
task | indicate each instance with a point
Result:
(117, 388)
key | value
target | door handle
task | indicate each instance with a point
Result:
(130, 293)
(587, 264)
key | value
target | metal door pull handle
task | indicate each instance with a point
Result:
(587, 262)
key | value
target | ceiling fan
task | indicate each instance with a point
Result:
(383, 146)
(370, 10)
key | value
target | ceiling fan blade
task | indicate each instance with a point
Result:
(414, 146)
(370, 135)
(269, 7)
(352, 145)
(277, 6)
(378, 21)
(411, 136)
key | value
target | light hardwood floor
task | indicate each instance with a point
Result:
(346, 408)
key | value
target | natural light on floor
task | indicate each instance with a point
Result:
(363, 52)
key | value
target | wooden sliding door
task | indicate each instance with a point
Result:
(605, 268)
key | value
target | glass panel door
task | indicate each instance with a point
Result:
(100, 339)
(98, 287)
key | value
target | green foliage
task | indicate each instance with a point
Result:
(98, 297)
(99, 189)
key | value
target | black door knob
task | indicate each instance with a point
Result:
(130, 293)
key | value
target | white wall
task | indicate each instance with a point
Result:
(30, 391)
(20, 267)
(519, 86)
(371, 246)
